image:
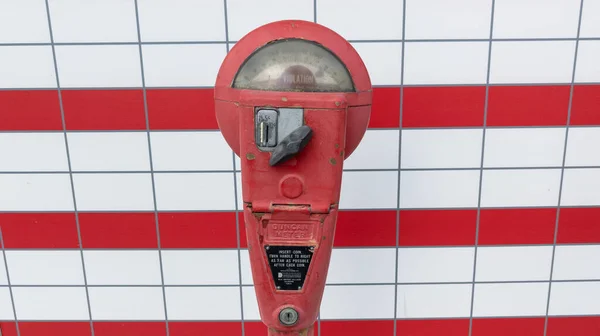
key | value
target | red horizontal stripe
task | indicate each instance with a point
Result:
(512, 327)
(181, 109)
(118, 230)
(516, 226)
(585, 108)
(357, 328)
(579, 225)
(47, 329)
(449, 327)
(257, 328)
(39, 230)
(573, 326)
(365, 228)
(204, 328)
(385, 111)
(130, 328)
(437, 227)
(33, 110)
(528, 105)
(197, 230)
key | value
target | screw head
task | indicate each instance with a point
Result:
(288, 316)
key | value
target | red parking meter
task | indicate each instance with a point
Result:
(293, 100)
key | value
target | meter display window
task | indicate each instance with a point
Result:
(294, 65)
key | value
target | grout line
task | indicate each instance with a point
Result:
(69, 165)
(562, 172)
(152, 174)
(9, 285)
(478, 218)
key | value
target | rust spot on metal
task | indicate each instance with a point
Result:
(283, 99)
(250, 156)
(342, 154)
(337, 103)
(332, 161)
(337, 145)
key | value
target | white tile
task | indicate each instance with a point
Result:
(510, 299)
(576, 262)
(419, 265)
(109, 151)
(581, 147)
(439, 189)
(51, 303)
(588, 67)
(581, 187)
(433, 301)
(520, 187)
(24, 21)
(515, 263)
(239, 188)
(3, 278)
(524, 147)
(377, 150)
(250, 304)
(182, 65)
(6, 308)
(33, 152)
(35, 192)
(182, 20)
(43, 267)
(535, 18)
(190, 151)
(122, 267)
(200, 267)
(99, 66)
(194, 191)
(27, 67)
(203, 303)
(244, 16)
(459, 148)
(382, 60)
(95, 21)
(246, 269)
(358, 302)
(445, 63)
(532, 62)
(590, 19)
(127, 303)
(362, 265)
(575, 298)
(99, 192)
(369, 190)
(439, 19)
(384, 18)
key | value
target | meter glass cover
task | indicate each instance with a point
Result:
(294, 65)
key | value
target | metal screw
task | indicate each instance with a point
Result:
(266, 247)
(278, 287)
(312, 249)
(288, 316)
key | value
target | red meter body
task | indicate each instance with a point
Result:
(293, 100)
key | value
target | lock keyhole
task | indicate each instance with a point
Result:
(288, 316)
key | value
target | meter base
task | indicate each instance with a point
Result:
(304, 332)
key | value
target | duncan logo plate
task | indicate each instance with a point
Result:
(289, 265)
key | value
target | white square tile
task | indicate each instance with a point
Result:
(384, 19)
(520, 188)
(362, 265)
(382, 60)
(419, 265)
(576, 262)
(250, 305)
(244, 16)
(200, 267)
(35, 192)
(524, 147)
(43, 267)
(182, 65)
(24, 21)
(535, 18)
(439, 189)
(190, 151)
(377, 150)
(203, 303)
(246, 269)
(109, 151)
(6, 308)
(582, 148)
(588, 67)
(515, 263)
(182, 20)
(590, 19)
(439, 19)
(575, 298)
(581, 187)
(122, 267)
(239, 192)
(358, 302)
(510, 299)
(99, 66)
(27, 67)
(104, 192)
(433, 301)
(532, 62)
(51, 303)
(3, 278)
(127, 303)
(33, 152)
(194, 191)
(445, 63)
(369, 190)
(95, 21)
(459, 148)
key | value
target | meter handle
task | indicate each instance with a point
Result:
(291, 145)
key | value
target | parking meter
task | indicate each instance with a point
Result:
(292, 100)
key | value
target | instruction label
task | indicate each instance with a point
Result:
(289, 265)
